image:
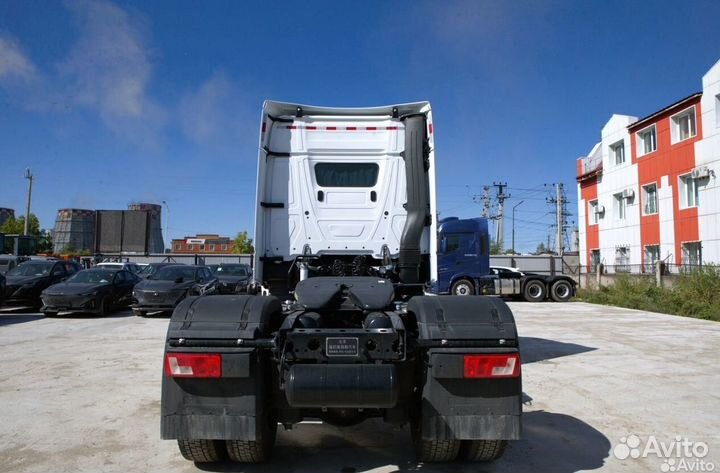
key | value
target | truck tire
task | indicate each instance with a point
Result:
(201, 451)
(463, 287)
(139, 313)
(253, 451)
(534, 291)
(433, 451)
(482, 450)
(561, 291)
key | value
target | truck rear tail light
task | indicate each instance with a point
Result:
(492, 366)
(191, 365)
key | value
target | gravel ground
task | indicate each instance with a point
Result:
(82, 394)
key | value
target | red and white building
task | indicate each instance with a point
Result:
(649, 189)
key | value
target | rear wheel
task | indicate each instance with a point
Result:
(534, 291)
(432, 451)
(482, 450)
(201, 451)
(561, 291)
(103, 304)
(463, 287)
(254, 451)
(139, 313)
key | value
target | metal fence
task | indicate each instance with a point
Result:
(180, 258)
(647, 268)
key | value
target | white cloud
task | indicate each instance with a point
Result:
(14, 65)
(108, 70)
(216, 113)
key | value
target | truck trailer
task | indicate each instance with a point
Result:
(343, 326)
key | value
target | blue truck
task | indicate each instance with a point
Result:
(463, 261)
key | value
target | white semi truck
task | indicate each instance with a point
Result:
(342, 327)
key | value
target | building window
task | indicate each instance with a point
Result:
(691, 255)
(620, 204)
(593, 211)
(202, 247)
(594, 260)
(617, 151)
(178, 246)
(652, 256)
(689, 196)
(646, 141)
(649, 196)
(212, 247)
(683, 125)
(224, 247)
(622, 259)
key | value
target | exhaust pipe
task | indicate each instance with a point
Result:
(417, 205)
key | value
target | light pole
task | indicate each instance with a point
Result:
(29, 177)
(167, 227)
(513, 233)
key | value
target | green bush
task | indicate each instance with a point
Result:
(694, 294)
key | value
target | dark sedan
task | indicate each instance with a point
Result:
(24, 284)
(96, 291)
(153, 268)
(233, 278)
(163, 291)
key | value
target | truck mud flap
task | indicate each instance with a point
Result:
(232, 406)
(453, 406)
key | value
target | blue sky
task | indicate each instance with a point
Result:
(148, 101)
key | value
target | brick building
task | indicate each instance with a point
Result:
(648, 191)
(205, 243)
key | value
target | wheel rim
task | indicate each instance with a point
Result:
(534, 291)
(462, 289)
(562, 291)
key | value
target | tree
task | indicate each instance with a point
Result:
(495, 248)
(45, 242)
(540, 249)
(16, 226)
(243, 244)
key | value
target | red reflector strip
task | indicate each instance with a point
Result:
(430, 128)
(291, 127)
(371, 128)
(351, 128)
(191, 365)
(331, 128)
(311, 128)
(491, 366)
(390, 128)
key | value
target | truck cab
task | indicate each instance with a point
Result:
(463, 255)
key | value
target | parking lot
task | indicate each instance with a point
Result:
(82, 394)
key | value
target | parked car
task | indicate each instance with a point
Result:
(8, 262)
(233, 278)
(129, 266)
(2, 288)
(153, 268)
(24, 284)
(164, 290)
(96, 291)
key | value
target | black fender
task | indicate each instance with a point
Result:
(234, 406)
(450, 405)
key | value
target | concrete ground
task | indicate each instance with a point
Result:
(83, 395)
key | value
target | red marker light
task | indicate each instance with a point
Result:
(492, 366)
(192, 365)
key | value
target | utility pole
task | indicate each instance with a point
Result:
(559, 201)
(485, 201)
(29, 177)
(500, 196)
(513, 222)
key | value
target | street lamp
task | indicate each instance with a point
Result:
(167, 226)
(513, 234)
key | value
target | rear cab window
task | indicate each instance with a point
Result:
(346, 174)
